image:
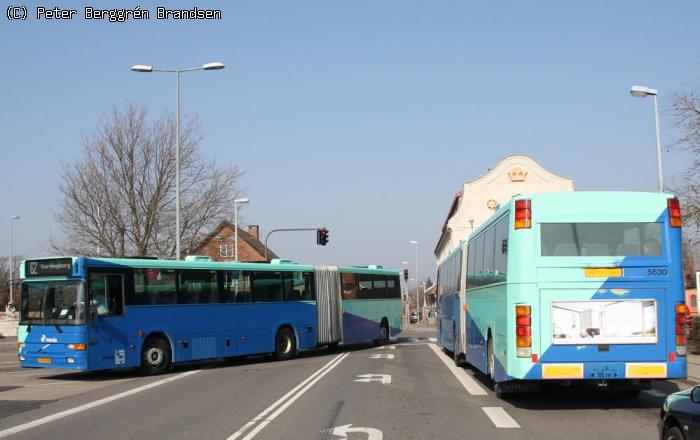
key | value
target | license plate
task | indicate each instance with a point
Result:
(44, 360)
(603, 272)
(604, 372)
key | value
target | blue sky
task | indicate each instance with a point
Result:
(362, 116)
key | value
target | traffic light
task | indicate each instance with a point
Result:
(322, 236)
(405, 275)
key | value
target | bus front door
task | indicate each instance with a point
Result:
(107, 343)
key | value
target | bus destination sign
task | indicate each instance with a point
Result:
(44, 268)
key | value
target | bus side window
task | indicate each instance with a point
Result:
(106, 294)
(379, 287)
(350, 288)
(364, 283)
(267, 286)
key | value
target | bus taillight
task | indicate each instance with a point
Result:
(674, 213)
(523, 330)
(523, 214)
(680, 327)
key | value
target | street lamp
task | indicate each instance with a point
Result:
(10, 304)
(148, 69)
(416, 275)
(643, 92)
(236, 202)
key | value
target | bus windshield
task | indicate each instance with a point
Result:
(53, 303)
(600, 239)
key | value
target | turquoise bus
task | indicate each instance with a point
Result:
(91, 314)
(575, 286)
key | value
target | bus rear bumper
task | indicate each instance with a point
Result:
(609, 371)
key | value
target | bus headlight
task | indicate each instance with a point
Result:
(21, 358)
(70, 360)
(79, 347)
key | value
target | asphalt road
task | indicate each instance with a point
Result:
(406, 390)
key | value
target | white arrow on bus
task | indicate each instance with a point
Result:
(382, 356)
(343, 431)
(369, 377)
(387, 347)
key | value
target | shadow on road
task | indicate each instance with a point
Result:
(587, 395)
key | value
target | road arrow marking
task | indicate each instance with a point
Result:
(381, 347)
(382, 356)
(369, 377)
(343, 431)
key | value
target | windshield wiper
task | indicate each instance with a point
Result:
(58, 328)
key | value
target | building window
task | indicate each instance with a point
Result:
(226, 250)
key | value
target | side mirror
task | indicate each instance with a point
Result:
(695, 394)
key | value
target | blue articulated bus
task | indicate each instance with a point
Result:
(94, 314)
(575, 286)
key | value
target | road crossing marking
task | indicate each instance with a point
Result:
(81, 408)
(382, 356)
(369, 377)
(342, 431)
(386, 347)
(286, 400)
(500, 417)
(466, 380)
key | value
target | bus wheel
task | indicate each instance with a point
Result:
(383, 333)
(285, 344)
(155, 356)
(490, 361)
(673, 433)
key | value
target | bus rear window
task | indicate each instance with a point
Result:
(600, 239)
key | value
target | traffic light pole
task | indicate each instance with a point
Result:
(285, 230)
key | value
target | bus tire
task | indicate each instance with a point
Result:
(490, 362)
(384, 332)
(383, 338)
(285, 344)
(456, 356)
(673, 433)
(156, 357)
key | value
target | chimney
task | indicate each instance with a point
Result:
(254, 230)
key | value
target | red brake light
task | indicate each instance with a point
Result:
(525, 204)
(523, 214)
(523, 331)
(523, 320)
(674, 213)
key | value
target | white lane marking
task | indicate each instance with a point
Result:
(342, 431)
(656, 393)
(81, 408)
(386, 347)
(500, 417)
(382, 356)
(432, 339)
(369, 377)
(466, 380)
(299, 390)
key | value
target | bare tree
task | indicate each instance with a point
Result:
(121, 195)
(5, 280)
(686, 112)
